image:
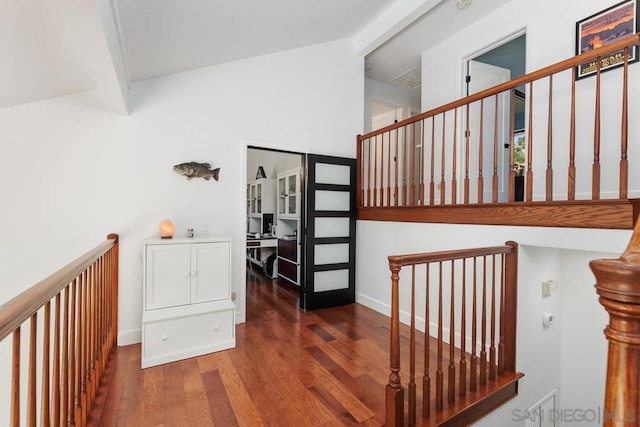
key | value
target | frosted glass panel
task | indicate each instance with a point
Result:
(332, 200)
(332, 227)
(331, 254)
(332, 174)
(330, 280)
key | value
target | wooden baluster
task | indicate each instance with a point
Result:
(511, 306)
(473, 375)
(502, 314)
(512, 125)
(422, 195)
(375, 171)
(571, 178)
(624, 134)
(439, 373)
(616, 284)
(426, 379)
(394, 413)
(64, 384)
(79, 407)
(413, 167)
(114, 287)
(359, 161)
(549, 177)
(369, 170)
(494, 180)
(481, 154)
(433, 148)
(71, 398)
(492, 348)
(462, 388)
(466, 160)
(412, 352)
(384, 186)
(55, 405)
(483, 317)
(452, 338)
(46, 368)
(32, 388)
(93, 311)
(15, 380)
(443, 185)
(396, 195)
(85, 339)
(405, 165)
(389, 171)
(454, 167)
(595, 184)
(529, 176)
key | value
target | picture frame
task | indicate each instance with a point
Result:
(602, 28)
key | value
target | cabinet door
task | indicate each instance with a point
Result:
(168, 276)
(210, 272)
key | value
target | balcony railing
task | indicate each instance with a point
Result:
(571, 169)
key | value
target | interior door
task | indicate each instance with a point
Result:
(483, 76)
(330, 232)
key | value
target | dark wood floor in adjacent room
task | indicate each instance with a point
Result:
(289, 368)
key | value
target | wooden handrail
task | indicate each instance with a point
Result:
(421, 258)
(16, 311)
(621, 44)
(618, 284)
(73, 348)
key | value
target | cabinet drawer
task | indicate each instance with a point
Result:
(169, 340)
(288, 249)
(288, 269)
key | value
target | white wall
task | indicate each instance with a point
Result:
(72, 173)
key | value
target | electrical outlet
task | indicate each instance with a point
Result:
(205, 228)
(233, 296)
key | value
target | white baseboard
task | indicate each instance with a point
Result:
(133, 336)
(374, 304)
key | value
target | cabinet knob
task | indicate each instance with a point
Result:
(186, 274)
(165, 337)
(193, 273)
(216, 327)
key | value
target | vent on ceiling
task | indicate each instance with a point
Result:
(410, 79)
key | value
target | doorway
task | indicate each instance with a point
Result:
(274, 197)
(498, 63)
(300, 224)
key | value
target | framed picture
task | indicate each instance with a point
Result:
(603, 28)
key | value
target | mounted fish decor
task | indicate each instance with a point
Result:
(197, 170)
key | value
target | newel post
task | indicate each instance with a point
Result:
(618, 284)
(394, 391)
(114, 288)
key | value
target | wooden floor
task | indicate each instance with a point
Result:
(289, 368)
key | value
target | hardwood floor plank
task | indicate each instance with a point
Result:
(243, 407)
(152, 403)
(321, 332)
(221, 409)
(198, 410)
(327, 399)
(175, 399)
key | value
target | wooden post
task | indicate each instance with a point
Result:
(618, 284)
(114, 288)
(394, 391)
(510, 298)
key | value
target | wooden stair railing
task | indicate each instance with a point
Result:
(443, 161)
(470, 369)
(72, 321)
(618, 284)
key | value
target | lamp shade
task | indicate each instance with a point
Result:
(166, 229)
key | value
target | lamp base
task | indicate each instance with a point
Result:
(166, 237)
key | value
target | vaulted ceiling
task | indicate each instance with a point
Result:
(57, 47)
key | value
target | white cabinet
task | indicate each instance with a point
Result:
(261, 196)
(289, 194)
(187, 308)
(288, 228)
